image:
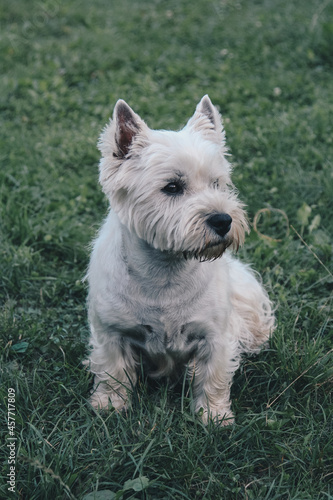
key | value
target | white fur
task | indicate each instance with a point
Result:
(161, 284)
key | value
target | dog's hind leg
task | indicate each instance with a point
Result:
(252, 320)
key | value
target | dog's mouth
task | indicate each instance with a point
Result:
(210, 252)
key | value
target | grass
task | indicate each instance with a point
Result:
(268, 66)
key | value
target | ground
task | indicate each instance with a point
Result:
(268, 66)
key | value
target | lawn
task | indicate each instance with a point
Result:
(268, 66)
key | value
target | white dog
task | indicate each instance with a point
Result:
(162, 289)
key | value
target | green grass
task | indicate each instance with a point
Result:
(268, 65)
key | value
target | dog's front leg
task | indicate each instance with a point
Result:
(112, 362)
(212, 387)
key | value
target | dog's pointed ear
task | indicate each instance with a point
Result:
(127, 126)
(206, 117)
(205, 107)
(117, 137)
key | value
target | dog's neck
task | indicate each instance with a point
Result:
(152, 267)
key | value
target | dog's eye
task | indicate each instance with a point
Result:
(216, 184)
(173, 188)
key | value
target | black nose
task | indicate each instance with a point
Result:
(220, 223)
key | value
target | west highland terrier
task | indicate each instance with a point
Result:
(162, 287)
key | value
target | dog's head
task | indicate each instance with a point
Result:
(173, 189)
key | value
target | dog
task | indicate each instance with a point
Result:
(163, 288)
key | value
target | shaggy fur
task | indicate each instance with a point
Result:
(162, 286)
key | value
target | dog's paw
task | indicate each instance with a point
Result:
(219, 416)
(106, 401)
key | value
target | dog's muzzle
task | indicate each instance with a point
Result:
(220, 223)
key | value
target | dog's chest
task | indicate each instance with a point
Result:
(167, 343)
(169, 327)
